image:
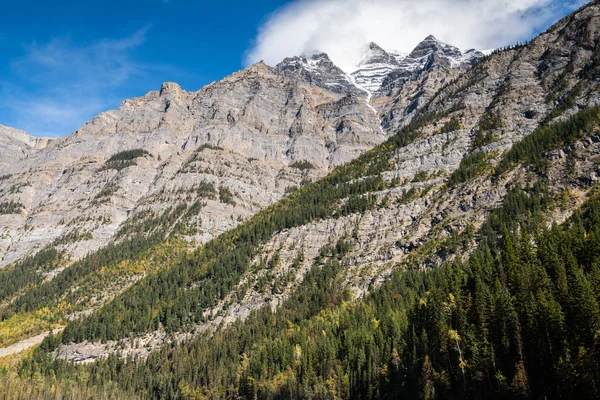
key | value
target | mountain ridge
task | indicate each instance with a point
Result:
(324, 119)
(17, 144)
(412, 263)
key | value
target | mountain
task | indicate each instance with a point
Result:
(16, 145)
(457, 258)
(256, 134)
(319, 70)
(380, 71)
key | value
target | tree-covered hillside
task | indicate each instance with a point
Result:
(519, 318)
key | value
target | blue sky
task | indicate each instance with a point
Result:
(65, 61)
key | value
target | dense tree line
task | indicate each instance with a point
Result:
(146, 222)
(470, 166)
(124, 159)
(519, 318)
(43, 388)
(11, 207)
(27, 271)
(533, 148)
(177, 297)
(50, 292)
(25, 279)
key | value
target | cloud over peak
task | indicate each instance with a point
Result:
(342, 28)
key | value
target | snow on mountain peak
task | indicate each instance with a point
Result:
(318, 69)
(378, 69)
(376, 55)
(378, 65)
(375, 65)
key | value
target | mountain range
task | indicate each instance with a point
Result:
(425, 227)
(247, 133)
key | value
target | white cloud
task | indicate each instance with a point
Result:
(342, 28)
(57, 86)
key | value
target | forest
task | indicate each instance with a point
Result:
(519, 318)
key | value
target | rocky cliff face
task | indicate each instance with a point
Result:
(16, 145)
(254, 134)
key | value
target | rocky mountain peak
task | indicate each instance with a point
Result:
(317, 69)
(319, 56)
(170, 88)
(23, 137)
(430, 45)
(16, 144)
(375, 66)
(172, 92)
(168, 92)
(377, 55)
(378, 70)
(321, 61)
(258, 69)
(381, 70)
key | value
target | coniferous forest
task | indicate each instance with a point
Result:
(519, 318)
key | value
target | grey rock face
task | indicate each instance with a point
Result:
(243, 133)
(320, 71)
(16, 145)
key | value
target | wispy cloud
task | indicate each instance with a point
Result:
(343, 27)
(59, 85)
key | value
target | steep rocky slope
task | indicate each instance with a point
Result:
(16, 145)
(479, 116)
(255, 133)
(251, 137)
